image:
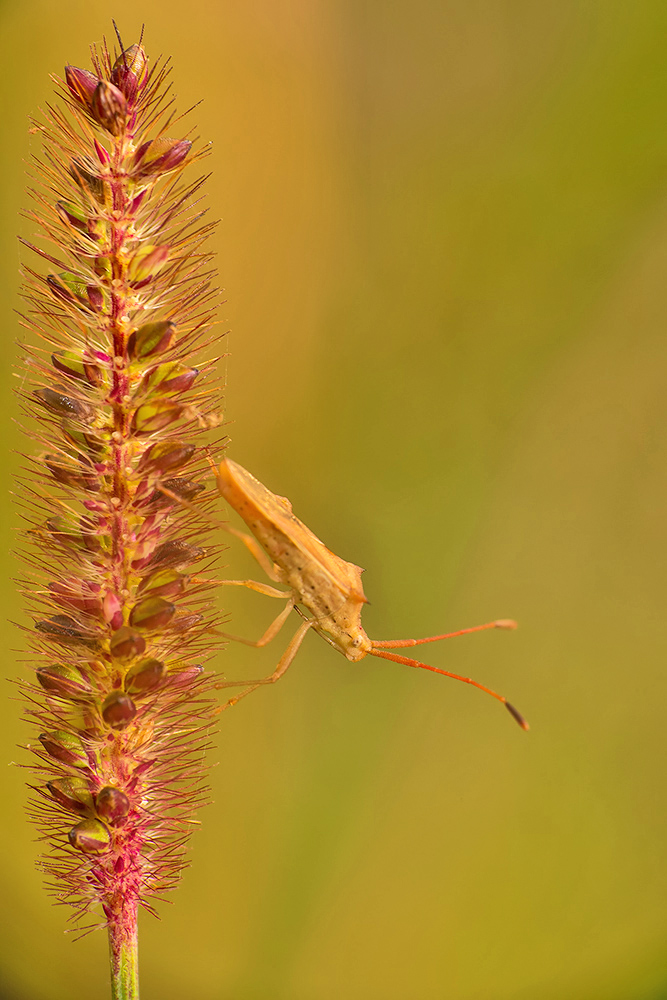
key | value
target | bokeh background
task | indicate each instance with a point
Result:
(444, 248)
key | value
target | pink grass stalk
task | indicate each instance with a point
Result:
(119, 308)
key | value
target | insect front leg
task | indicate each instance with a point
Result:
(283, 664)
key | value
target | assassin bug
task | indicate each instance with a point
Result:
(328, 587)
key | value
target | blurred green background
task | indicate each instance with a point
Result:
(444, 248)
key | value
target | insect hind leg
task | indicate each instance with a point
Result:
(253, 546)
(259, 588)
(257, 552)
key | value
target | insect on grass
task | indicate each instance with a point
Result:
(319, 581)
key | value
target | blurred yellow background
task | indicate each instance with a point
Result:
(444, 249)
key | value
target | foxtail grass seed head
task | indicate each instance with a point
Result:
(119, 295)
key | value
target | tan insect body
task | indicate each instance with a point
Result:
(328, 587)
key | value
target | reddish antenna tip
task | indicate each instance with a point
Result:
(508, 623)
(517, 716)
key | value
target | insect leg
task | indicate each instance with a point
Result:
(256, 551)
(283, 663)
(261, 588)
(271, 632)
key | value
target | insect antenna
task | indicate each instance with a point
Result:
(506, 623)
(381, 648)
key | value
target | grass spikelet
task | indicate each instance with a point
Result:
(119, 297)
